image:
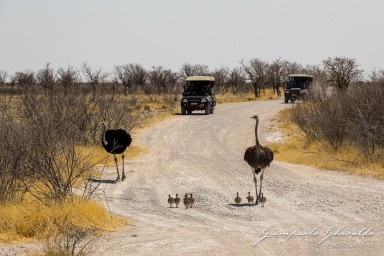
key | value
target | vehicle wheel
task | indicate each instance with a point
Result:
(189, 111)
(286, 100)
(211, 110)
(183, 111)
(207, 110)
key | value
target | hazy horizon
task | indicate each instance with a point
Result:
(170, 33)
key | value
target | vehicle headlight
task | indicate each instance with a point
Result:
(184, 100)
(203, 100)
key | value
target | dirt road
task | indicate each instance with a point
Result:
(203, 155)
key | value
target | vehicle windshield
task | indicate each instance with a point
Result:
(198, 88)
(298, 82)
(294, 84)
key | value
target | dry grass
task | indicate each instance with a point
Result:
(267, 94)
(297, 149)
(30, 220)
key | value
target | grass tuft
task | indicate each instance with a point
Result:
(30, 220)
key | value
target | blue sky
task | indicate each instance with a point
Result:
(172, 32)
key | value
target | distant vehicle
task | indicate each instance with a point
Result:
(297, 87)
(198, 95)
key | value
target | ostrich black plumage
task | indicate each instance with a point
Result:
(259, 158)
(116, 142)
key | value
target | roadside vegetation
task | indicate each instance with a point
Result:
(339, 126)
(50, 132)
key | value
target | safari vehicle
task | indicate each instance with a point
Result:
(297, 87)
(198, 95)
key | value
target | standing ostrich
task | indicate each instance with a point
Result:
(115, 142)
(259, 158)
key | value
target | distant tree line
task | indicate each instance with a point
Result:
(252, 75)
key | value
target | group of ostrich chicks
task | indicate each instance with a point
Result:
(257, 156)
(250, 199)
(187, 201)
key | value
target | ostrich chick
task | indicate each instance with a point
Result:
(250, 199)
(238, 199)
(263, 199)
(191, 201)
(177, 200)
(186, 201)
(171, 201)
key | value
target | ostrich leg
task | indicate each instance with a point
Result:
(255, 180)
(117, 168)
(261, 181)
(123, 174)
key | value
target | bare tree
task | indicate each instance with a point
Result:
(139, 75)
(94, 77)
(293, 67)
(342, 71)
(173, 79)
(236, 79)
(46, 77)
(318, 72)
(193, 70)
(67, 78)
(3, 77)
(12, 156)
(256, 71)
(377, 76)
(124, 75)
(163, 79)
(158, 77)
(221, 76)
(24, 78)
(276, 74)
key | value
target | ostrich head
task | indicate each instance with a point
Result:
(255, 117)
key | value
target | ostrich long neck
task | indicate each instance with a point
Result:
(105, 142)
(257, 138)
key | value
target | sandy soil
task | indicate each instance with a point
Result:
(203, 155)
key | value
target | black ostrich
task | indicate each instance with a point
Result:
(259, 158)
(115, 142)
